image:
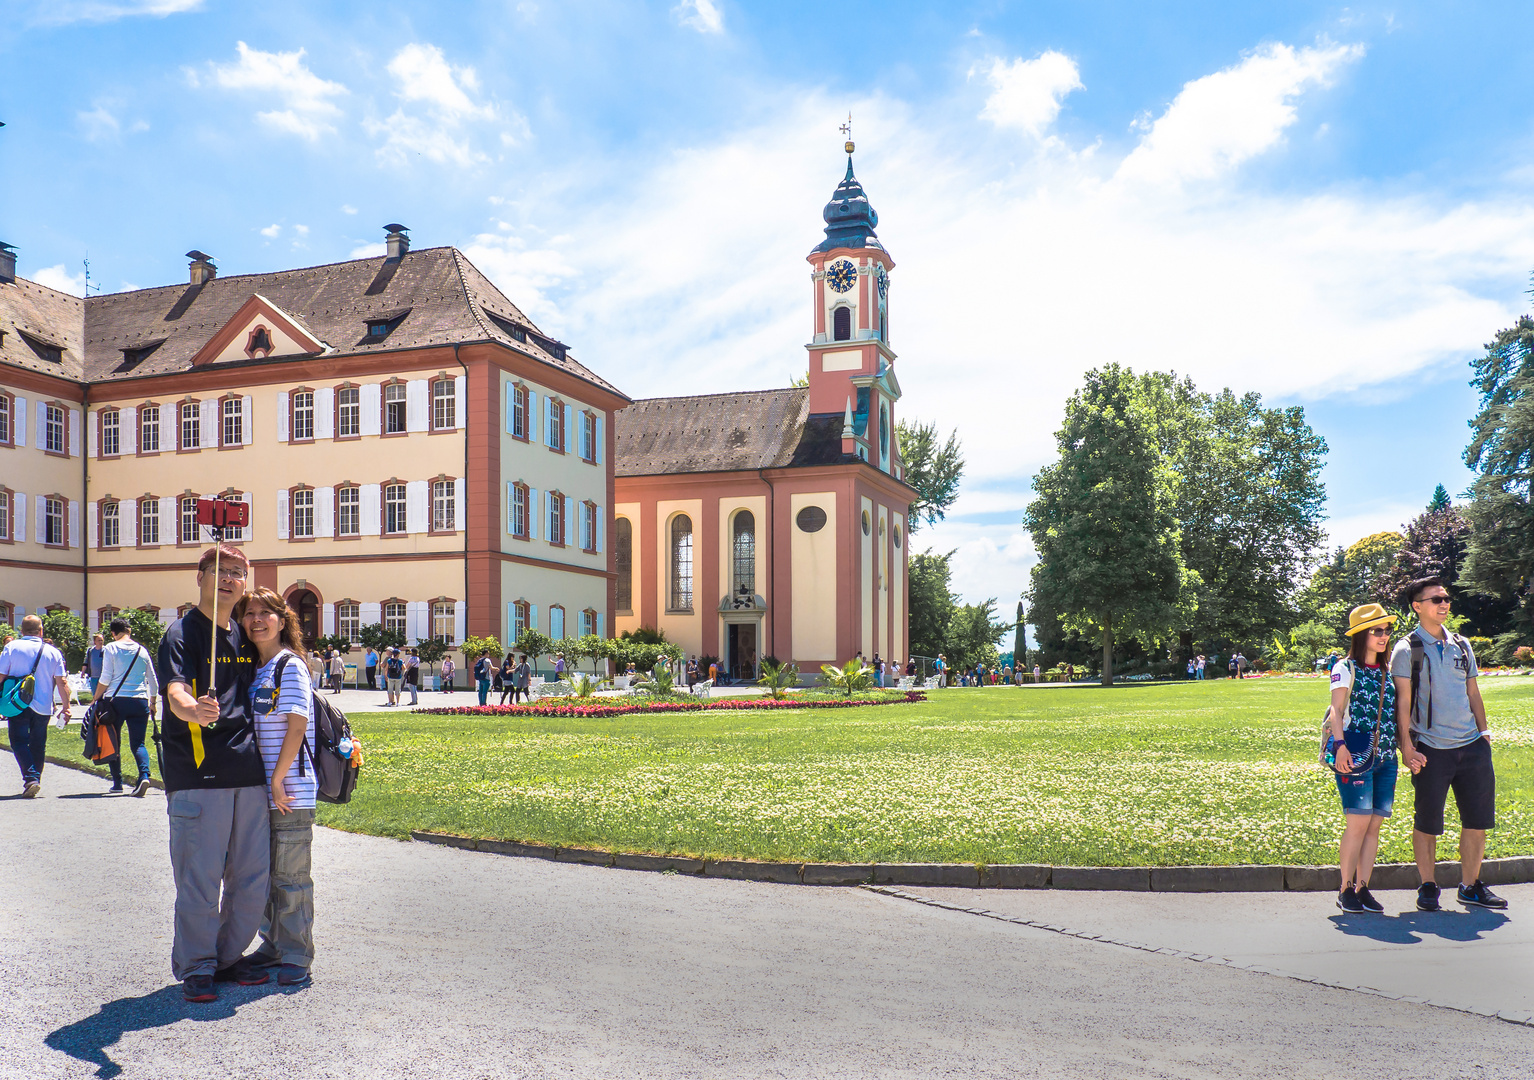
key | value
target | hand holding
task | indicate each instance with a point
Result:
(207, 710)
(1344, 763)
(1415, 759)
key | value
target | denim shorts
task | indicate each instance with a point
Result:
(1372, 793)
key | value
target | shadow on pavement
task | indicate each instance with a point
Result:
(1411, 927)
(88, 1039)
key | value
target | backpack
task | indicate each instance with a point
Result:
(394, 667)
(1418, 654)
(16, 690)
(335, 778)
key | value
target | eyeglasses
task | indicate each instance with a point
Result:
(233, 573)
(1444, 599)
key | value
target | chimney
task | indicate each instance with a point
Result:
(397, 241)
(7, 262)
(203, 269)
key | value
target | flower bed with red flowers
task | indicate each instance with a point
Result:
(602, 712)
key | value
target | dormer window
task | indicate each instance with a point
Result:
(378, 329)
(382, 324)
(45, 350)
(506, 326)
(260, 342)
(137, 354)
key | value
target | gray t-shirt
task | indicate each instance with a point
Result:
(1442, 690)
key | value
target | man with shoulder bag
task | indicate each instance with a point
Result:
(31, 676)
(125, 695)
(1446, 745)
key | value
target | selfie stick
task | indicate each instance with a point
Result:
(218, 542)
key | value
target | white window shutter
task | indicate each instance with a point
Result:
(460, 510)
(548, 515)
(127, 522)
(282, 416)
(127, 431)
(568, 427)
(94, 622)
(19, 517)
(20, 405)
(416, 405)
(370, 510)
(369, 614)
(327, 619)
(601, 625)
(282, 516)
(245, 411)
(532, 513)
(74, 523)
(460, 617)
(571, 533)
(74, 432)
(460, 387)
(601, 446)
(532, 416)
(325, 513)
(548, 427)
(170, 521)
(601, 529)
(369, 402)
(511, 622)
(173, 442)
(532, 617)
(325, 413)
(41, 420)
(92, 512)
(40, 522)
(95, 439)
(417, 506)
(511, 407)
(247, 531)
(210, 430)
(511, 507)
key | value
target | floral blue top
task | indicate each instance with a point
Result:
(1367, 682)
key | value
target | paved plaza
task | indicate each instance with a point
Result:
(435, 962)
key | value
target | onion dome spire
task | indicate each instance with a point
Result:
(850, 219)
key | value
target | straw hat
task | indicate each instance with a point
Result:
(1366, 615)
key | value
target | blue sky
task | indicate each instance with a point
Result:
(1326, 204)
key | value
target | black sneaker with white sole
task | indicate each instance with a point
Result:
(1347, 900)
(141, 787)
(1478, 895)
(1427, 896)
(1367, 901)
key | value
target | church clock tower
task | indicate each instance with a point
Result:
(851, 362)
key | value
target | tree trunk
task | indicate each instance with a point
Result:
(1107, 650)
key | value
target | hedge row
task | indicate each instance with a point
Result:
(601, 712)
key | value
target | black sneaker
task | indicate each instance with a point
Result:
(1347, 900)
(141, 787)
(199, 988)
(259, 959)
(242, 973)
(1427, 896)
(1367, 901)
(115, 789)
(1478, 895)
(292, 975)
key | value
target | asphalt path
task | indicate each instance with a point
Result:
(435, 962)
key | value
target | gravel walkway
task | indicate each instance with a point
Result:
(442, 963)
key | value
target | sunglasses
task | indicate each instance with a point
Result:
(1380, 631)
(1434, 599)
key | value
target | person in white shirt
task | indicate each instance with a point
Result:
(28, 729)
(128, 678)
(281, 702)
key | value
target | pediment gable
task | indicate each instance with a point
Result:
(260, 329)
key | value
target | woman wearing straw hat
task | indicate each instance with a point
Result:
(1362, 750)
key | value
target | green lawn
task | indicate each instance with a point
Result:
(1219, 772)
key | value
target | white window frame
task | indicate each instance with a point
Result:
(55, 512)
(349, 619)
(396, 616)
(190, 417)
(111, 524)
(444, 508)
(149, 521)
(303, 416)
(301, 514)
(111, 432)
(55, 428)
(232, 429)
(186, 513)
(149, 425)
(349, 507)
(444, 405)
(443, 617)
(349, 413)
(398, 508)
(396, 394)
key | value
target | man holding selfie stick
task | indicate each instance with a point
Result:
(215, 781)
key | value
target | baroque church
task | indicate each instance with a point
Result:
(417, 453)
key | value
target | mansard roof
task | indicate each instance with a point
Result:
(34, 321)
(433, 296)
(759, 429)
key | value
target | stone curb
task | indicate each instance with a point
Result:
(1523, 1019)
(82, 766)
(1510, 871)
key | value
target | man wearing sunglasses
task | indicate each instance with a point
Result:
(1445, 743)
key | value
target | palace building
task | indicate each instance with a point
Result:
(415, 452)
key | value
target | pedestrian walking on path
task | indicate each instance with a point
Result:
(215, 784)
(280, 700)
(27, 727)
(394, 675)
(370, 661)
(483, 667)
(508, 674)
(521, 676)
(448, 668)
(93, 658)
(413, 676)
(1361, 749)
(1447, 744)
(128, 679)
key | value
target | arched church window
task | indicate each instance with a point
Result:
(743, 553)
(681, 563)
(884, 431)
(623, 555)
(841, 324)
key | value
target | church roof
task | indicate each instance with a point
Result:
(850, 218)
(757, 429)
(434, 296)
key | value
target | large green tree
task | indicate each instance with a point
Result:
(932, 604)
(1499, 557)
(1104, 521)
(933, 467)
(973, 633)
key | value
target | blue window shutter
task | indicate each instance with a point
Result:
(601, 530)
(532, 514)
(532, 416)
(532, 617)
(569, 423)
(511, 623)
(599, 443)
(511, 512)
(511, 410)
(601, 626)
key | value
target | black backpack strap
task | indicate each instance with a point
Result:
(1417, 656)
(282, 664)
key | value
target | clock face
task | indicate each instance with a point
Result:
(841, 274)
(884, 281)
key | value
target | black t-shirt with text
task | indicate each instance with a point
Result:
(223, 754)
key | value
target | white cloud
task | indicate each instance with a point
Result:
(528, 10)
(1217, 122)
(703, 16)
(60, 12)
(347, 209)
(310, 110)
(271, 231)
(1027, 94)
(367, 251)
(99, 123)
(57, 277)
(301, 230)
(424, 75)
(408, 137)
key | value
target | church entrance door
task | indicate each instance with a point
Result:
(742, 663)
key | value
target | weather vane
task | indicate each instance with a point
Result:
(846, 129)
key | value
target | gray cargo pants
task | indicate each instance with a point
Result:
(287, 928)
(218, 836)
